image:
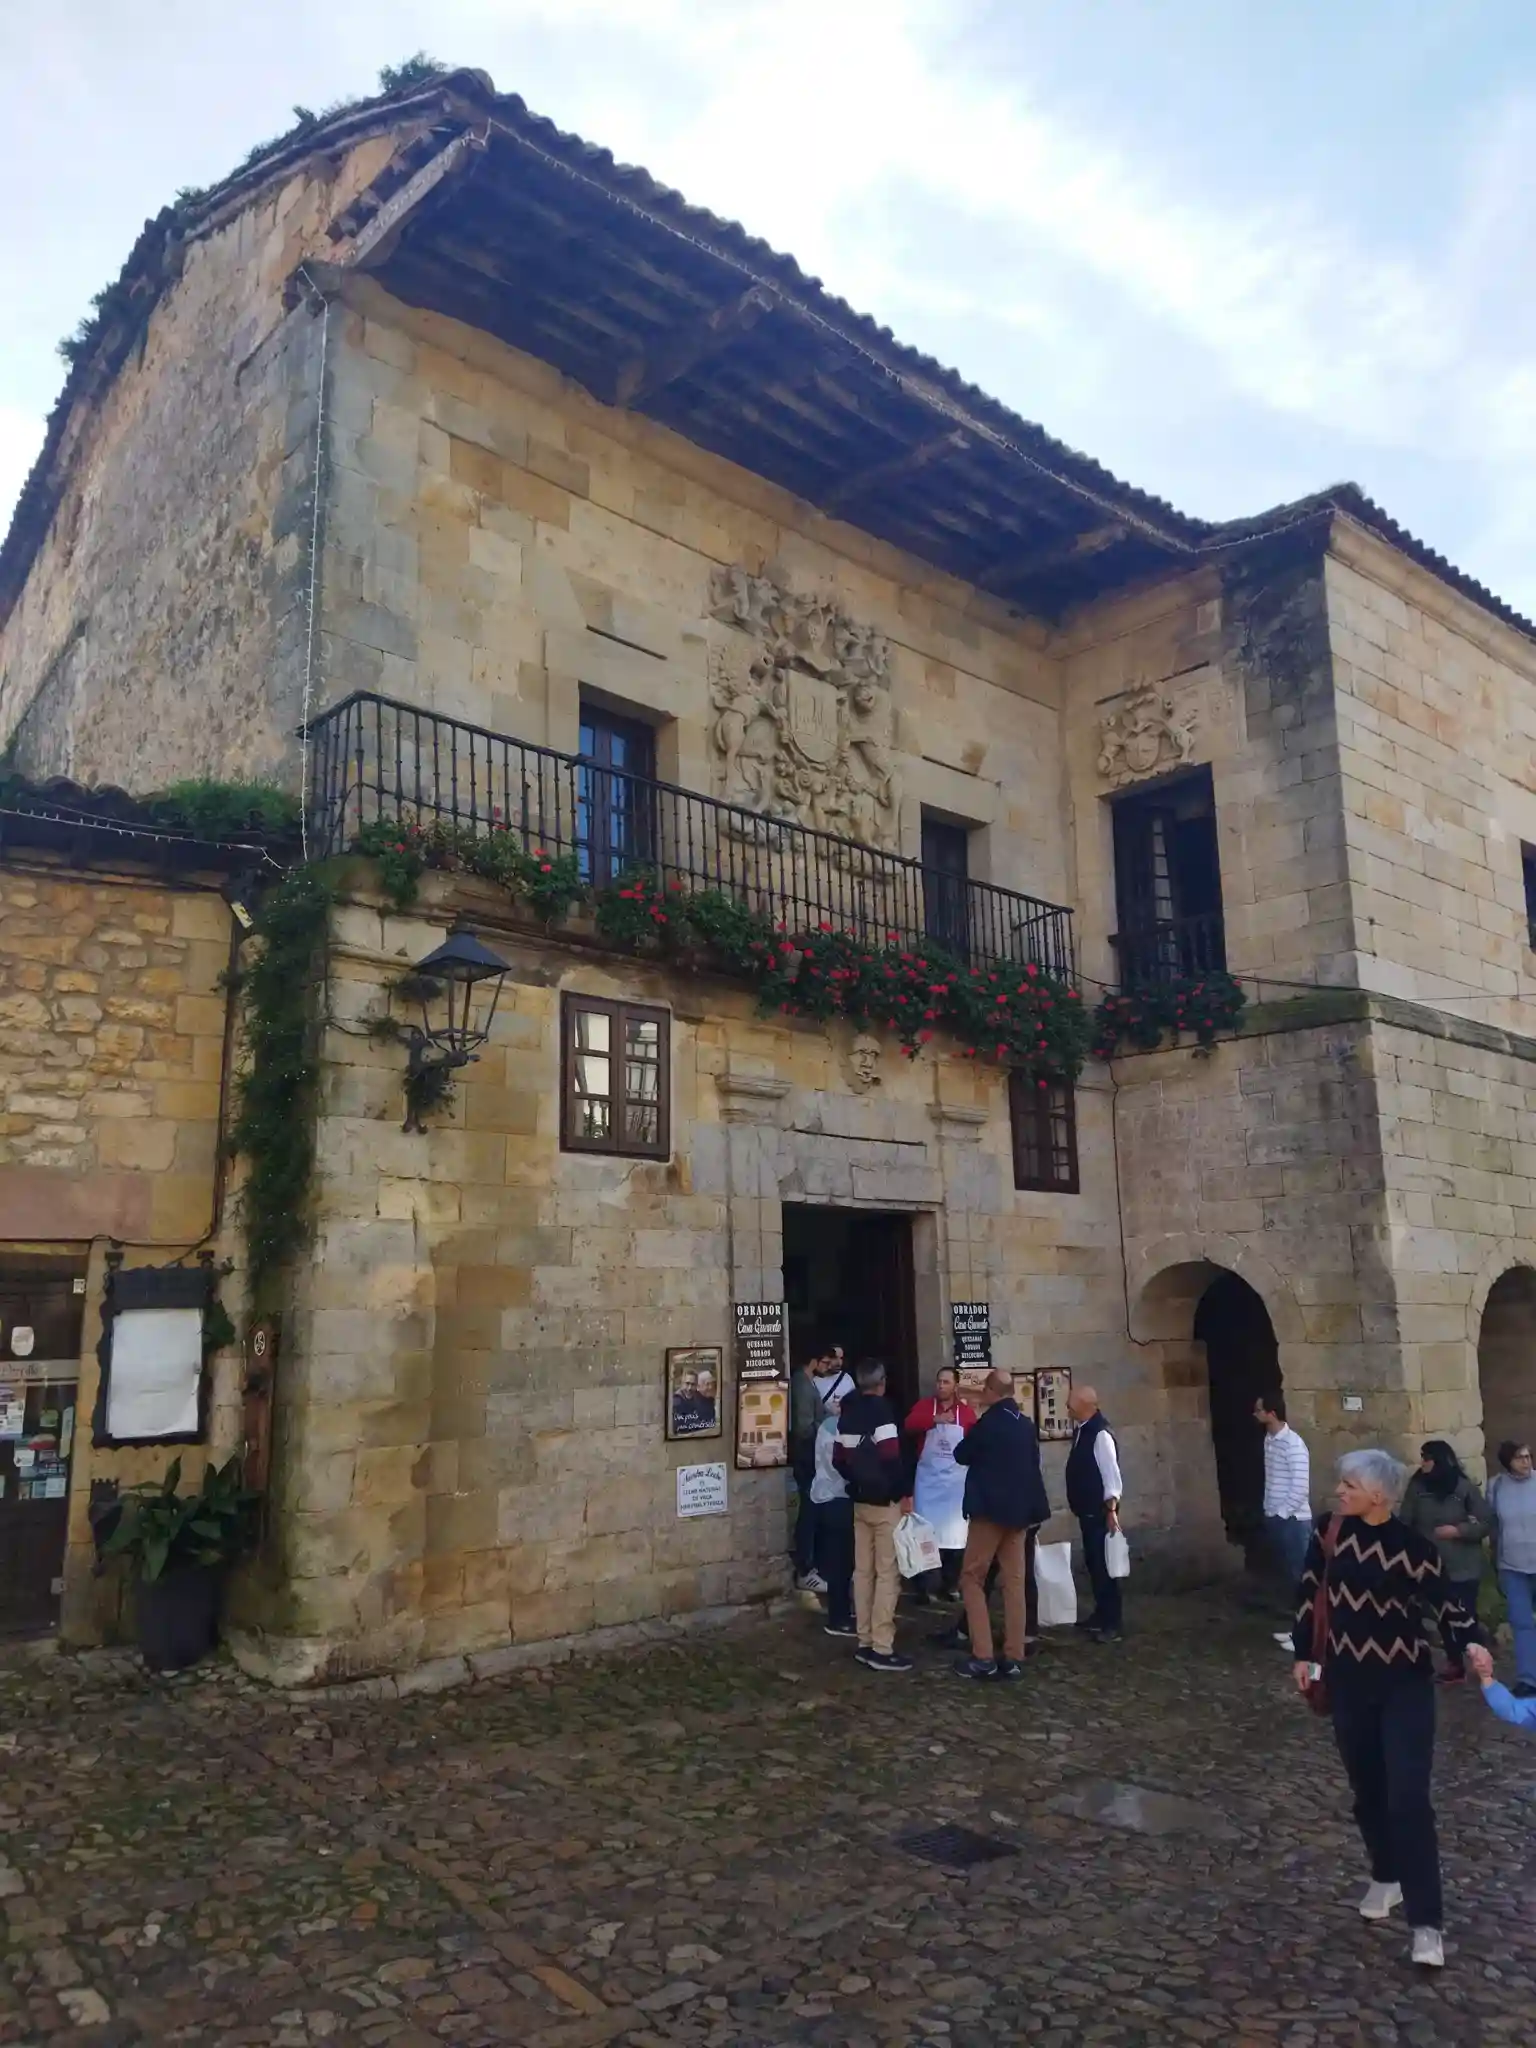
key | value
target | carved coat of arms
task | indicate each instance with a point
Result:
(1146, 735)
(804, 727)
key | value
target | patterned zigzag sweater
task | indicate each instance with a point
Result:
(1385, 1580)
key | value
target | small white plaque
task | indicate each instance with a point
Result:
(701, 1490)
(1353, 1403)
(23, 1342)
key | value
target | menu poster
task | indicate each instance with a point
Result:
(1053, 1383)
(762, 1385)
(970, 1325)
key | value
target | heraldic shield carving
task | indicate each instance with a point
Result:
(804, 728)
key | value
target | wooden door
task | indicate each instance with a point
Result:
(40, 1317)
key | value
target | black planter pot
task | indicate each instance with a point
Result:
(178, 1616)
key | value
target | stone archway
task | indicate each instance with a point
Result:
(1188, 1294)
(1506, 1359)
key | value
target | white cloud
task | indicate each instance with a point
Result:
(21, 436)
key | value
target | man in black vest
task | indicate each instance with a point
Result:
(1093, 1494)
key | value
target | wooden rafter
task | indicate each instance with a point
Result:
(874, 476)
(671, 356)
(1039, 561)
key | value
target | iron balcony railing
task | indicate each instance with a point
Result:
(374, 758)
(1174, 949)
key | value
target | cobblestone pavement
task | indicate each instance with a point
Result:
(699, 1846)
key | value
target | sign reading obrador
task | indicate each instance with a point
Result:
(762, 1385)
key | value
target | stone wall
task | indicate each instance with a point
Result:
(1436, 712)
(499, 543)
(472, 1456)
(112, 1049)
(163, 629)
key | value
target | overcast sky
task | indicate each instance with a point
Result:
(1236, 251)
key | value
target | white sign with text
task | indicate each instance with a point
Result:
(701, 1490)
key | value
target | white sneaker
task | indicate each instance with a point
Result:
(1428, 1948)
(1283, 1638)
(813, 1582)
(1379, 1900)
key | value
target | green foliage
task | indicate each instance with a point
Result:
(427, 1088)
(549, 883)
(222, 811)
(1204, 1004)
(274, 1124)
(416, 70)
(634, 910)
(164, 1530)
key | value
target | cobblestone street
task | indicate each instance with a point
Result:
(698, 1845)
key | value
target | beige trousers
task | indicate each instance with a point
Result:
(876, 1581)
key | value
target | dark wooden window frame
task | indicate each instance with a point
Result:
(615, 1145)
(1043, 1123)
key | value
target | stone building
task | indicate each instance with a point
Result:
(440, 468)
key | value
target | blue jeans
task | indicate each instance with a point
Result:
(1519, 1595)
(1288, 1539)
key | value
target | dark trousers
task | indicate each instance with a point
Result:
(1106, 1591)
(833, 1523)
(946, 1579)
(803, 1548)
(1464, 1592)
(1384, 1724)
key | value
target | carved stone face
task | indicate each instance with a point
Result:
(864, 1060)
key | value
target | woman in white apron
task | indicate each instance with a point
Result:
(932, 1430)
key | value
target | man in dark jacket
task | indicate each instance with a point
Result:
(1005, 1503)
(867, 1458)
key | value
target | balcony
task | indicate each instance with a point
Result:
(374, 758)
(1173, 949)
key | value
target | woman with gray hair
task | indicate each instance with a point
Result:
(1376, 1580)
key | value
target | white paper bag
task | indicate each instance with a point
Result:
(1054, 1585)
(917, 1547)
(1117, 1555)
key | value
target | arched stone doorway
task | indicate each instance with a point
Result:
(1209, 1341)
(1242, 1361)
(1506, 1360)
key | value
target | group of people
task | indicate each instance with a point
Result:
(1398, 1551)
(973, 1474)
(1440, 1502)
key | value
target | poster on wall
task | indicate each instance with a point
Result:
(694, 1391)
(1053, 1383)
(762, 1385)
(970, 1324)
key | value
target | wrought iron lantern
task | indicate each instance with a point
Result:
(446, 985)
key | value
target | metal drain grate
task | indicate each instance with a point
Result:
(955, 1848)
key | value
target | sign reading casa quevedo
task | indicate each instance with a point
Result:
(970, 1324)
(762, 1385)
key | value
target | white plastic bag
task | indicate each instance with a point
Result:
(1117, 1555)
(1054, 1585)
(917, 1547)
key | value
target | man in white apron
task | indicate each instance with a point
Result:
(932, 1431)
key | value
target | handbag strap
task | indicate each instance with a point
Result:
(1320, 1597)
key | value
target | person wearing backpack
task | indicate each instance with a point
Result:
(867, 1456)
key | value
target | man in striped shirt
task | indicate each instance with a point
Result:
(1287, 1492)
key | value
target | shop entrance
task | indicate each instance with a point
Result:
(41, 1305)
(848, 1281)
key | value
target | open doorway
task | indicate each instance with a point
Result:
(848, 1281)
(1243, 1361)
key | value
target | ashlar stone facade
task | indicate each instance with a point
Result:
(471, 1456)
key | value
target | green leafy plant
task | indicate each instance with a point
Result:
(1205, 1005)
(221, 811)
(276, 1094)
(634, 911)
(163, 1530)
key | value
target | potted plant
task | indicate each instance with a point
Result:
(179, 1547)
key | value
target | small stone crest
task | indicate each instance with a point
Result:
(1148, 733)
(804, 727)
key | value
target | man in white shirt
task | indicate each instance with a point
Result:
(1287, 1493)
(1094, 1492)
